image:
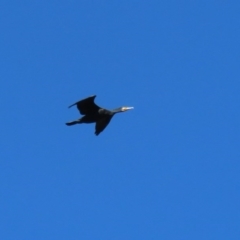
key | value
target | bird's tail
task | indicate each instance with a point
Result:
(72, 123)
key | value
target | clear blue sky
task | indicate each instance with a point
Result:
(169, 169)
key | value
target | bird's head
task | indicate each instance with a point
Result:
(124, 109)
(121, 109)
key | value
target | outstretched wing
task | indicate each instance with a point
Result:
(87, 106)
(101, 124)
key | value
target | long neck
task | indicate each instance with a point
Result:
(117, 110)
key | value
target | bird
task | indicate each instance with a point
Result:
(95, 114)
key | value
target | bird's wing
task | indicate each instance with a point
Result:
(87, 105)
(101, 124)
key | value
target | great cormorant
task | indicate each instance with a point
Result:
(95, 114)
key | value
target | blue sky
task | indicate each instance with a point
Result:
(169, 169)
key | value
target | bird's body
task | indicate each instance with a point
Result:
(95, 114)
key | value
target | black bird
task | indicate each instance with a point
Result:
(95, 114)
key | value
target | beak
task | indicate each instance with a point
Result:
(128, 108)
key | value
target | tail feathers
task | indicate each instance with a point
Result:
(72, 105)
(72, 123)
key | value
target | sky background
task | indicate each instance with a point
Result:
(169, 169)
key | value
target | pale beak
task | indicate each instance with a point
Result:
(127, 108)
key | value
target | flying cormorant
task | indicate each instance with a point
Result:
(95, 114)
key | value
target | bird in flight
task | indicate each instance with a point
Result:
(95, 114)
